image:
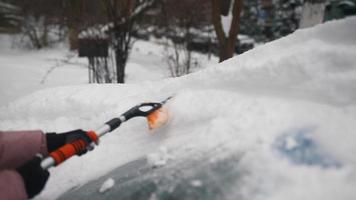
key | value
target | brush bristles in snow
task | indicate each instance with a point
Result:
(158, 118)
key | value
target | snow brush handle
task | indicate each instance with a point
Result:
(65, 152)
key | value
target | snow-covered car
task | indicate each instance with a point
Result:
(337, 9)
(231, 139)
(215, 173)
(277, 122)
(204, 43)
(198, 178)
(207, 42)
(142, 34)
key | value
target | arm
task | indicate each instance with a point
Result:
(12, 185)
(18, 147)
(18, 150)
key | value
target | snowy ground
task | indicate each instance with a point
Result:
(288, 108)
(23, 71)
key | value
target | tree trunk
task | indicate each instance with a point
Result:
(90, 73)
(44, 36)
(73, 38)
(120, 65)
(107, 71)
(226, 43)
(75, 9)
(225, 52)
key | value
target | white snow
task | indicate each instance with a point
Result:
(291, 143)
(159, 158)
(301, 87)
(107, 185)
(226, 23)
(196, 183)
(312, 14)
(23, 72)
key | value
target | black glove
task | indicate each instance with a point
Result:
(33, 176)
(54, 141)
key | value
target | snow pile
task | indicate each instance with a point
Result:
(107, 185)
(288, 108)
(196, 183)
(160, 158)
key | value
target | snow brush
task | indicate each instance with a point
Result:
(154, 112)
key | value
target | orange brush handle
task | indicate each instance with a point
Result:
(71, 149)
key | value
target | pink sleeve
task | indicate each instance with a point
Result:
(17, 147)
(12, 185)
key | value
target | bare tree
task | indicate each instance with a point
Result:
(74, 12)
(121, 15)
(182, 21)
(9, 17)
(40, 22)
(226, 41)
(178, 58)
(79, 15)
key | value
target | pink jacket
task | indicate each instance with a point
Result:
(16, 148)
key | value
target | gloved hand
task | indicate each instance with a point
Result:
(34, 176)
(54, 141)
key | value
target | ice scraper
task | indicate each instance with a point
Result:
(154, 112)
